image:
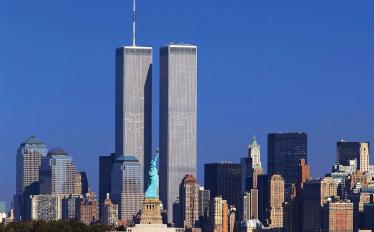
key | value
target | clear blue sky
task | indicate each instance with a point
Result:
(264, 66)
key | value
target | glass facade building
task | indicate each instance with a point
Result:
(57, 175)
(224, 179)
(28, 162)
(127, 186)
(178, 107)
(285, 150)
(105, 176)
(133, 107)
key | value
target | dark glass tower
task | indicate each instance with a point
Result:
(105, 172)
(285, 150)
(223, 179)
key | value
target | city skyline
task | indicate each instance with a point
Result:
(73, 149)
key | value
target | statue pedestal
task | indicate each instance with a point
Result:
(151, 213)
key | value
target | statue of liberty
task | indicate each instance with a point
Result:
(152, 190)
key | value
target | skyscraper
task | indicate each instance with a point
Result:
(88, 209)
(127, 186)
(254, 152)
(57, 173)
(178, 105)
(276, 201)
(110, 212)
(218, 215)
(189, 202)
(84, 181)
(263, 198)
(105, 176)
(223, 179)
(338, 216)
(249, 205)
(346, 151)
(251, 166)
(204, 198)
(29, 156)
(133, 110)
(315, 194)
(285, 150)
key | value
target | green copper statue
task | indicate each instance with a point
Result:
(152, 190)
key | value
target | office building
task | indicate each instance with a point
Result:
(251, 167)
(304, 170)
(359, 151)
(204, 198)
(337, 216)
(178, 114)
(46, 207)
(133, 107)
(57, 173)
(247, 177)
(315, 195)
(263, 198)
(359, 200)
(88, 209)
(341, 174)
(81, 183)
(285, 150)
(218, 215)
(105, 176)
(78, 184)
(358, 179)
(189, 202)
(276, 201)
(84, 181)
(249, 205)
(28, 161)
(254, 152)
(127, 187)
(224, 179)
(369, 215)
(70, 205)
(110, 212)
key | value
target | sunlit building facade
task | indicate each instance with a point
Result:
(133, 108)
(28, 162)
(178, 108)
(127, 186)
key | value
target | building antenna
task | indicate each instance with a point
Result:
(133, 24)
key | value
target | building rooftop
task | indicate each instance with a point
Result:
(127, 158)
(57, 151)
(32, 140)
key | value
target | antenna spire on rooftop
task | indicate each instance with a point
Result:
(133, 25)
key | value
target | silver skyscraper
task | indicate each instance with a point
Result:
(133, 103)
(178, 95)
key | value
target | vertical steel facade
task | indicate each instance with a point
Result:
(133, 110)
(178, 107)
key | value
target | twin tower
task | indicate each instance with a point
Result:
(177, 113)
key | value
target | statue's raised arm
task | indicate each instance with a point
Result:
(152, 190)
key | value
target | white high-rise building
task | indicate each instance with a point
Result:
(178, 106)
(254, 152)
